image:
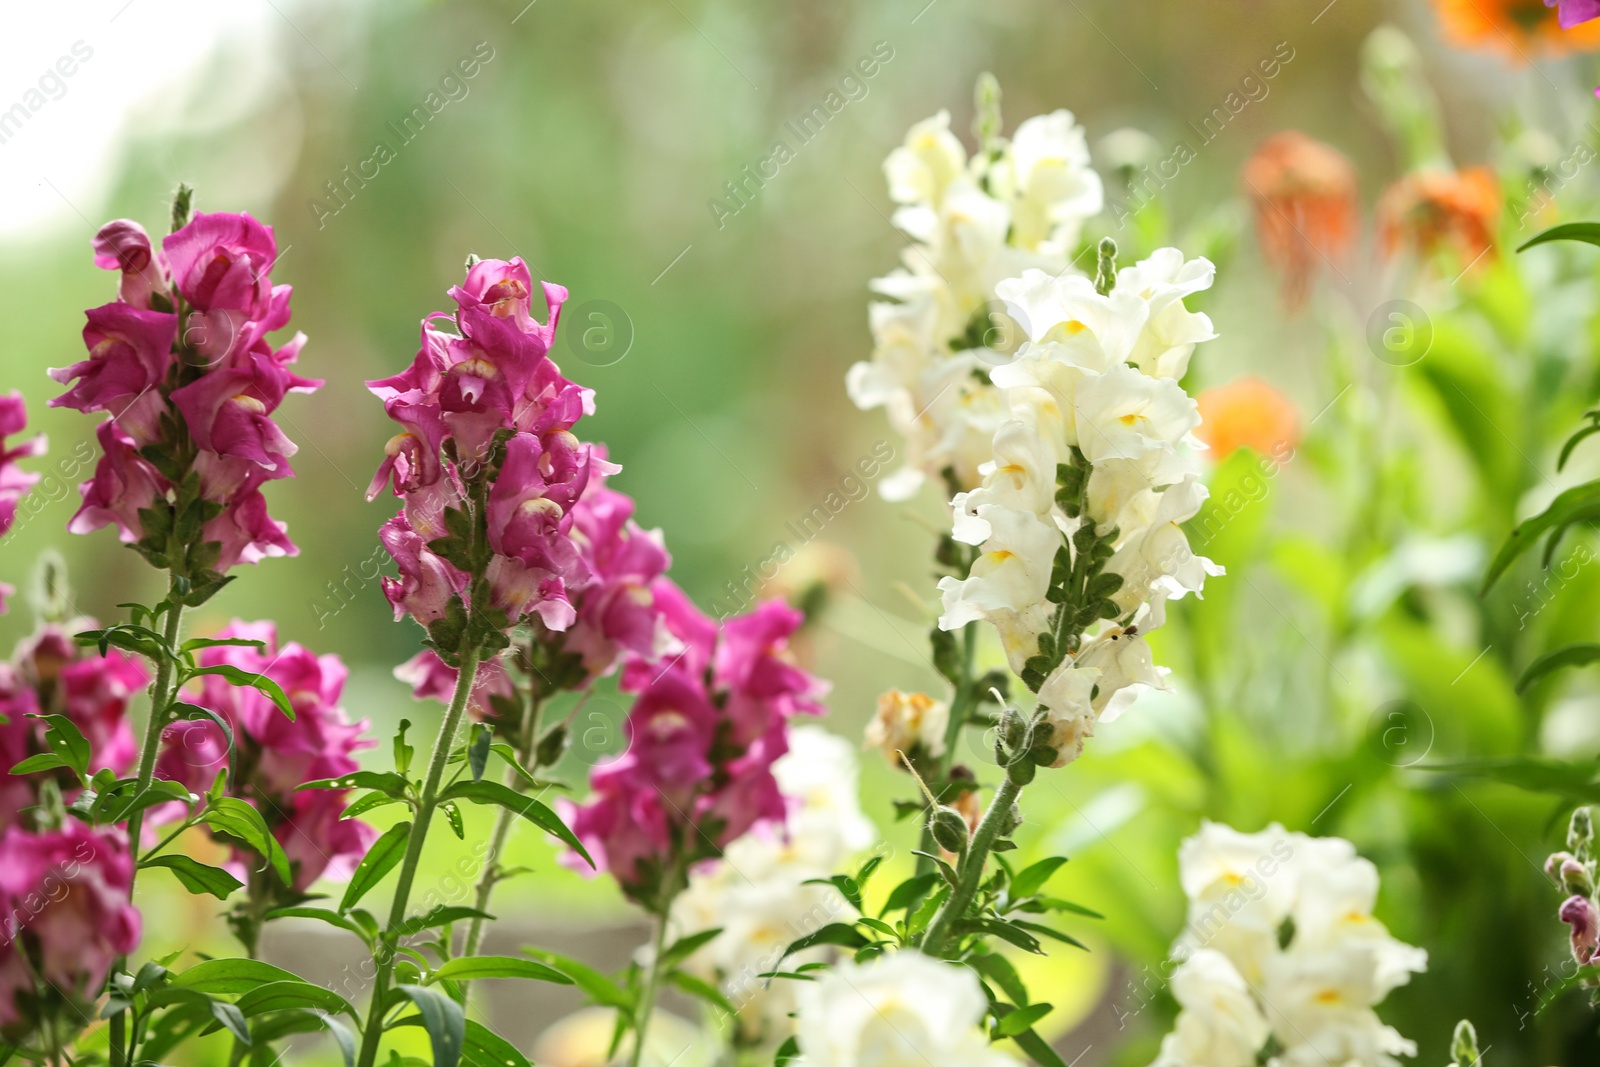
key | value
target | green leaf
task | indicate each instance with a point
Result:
(485, 1048)
(1038, 1049)
(1569, 656)
(1587, 232)
(1057, 904)
(281, 996)
(1005, 931)
(439, 916)
(529, 808)
(404, 752)
(478, 750)
(845, 935)
(1577, 504)
(787, 1052)
(388, 783)
(704, 990)
(1045, 931)
(999, 970)
(229, 976)
(261, 682)
(600, 989)
(379, 861)
(1017, 1020)
(343, 1037)
(332, 918)
(194, 644)
(64, 739)
(1032, 879)
(467, 968)
(196, 876)
(234, 817)
(44, 761)
(846, 885)
(232, 1018)
(1575, 781)
(443, 1018)
(685, 947)
(908, 892)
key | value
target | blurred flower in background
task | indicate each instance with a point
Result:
(1521, 30)
(1247, 413)
(1306, 213)
(1432, 210)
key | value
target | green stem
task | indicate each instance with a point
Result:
(502, 826)
(961, 705)
(160, 698)
(647, 996)
(408, 865)
(971, 872)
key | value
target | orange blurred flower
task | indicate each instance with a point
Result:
(1432, 208)
(1519, 29)
(1304, 193)
(1248, 413)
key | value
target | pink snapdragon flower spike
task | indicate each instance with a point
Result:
(1570, 13)
(487, 468)
(69, 917)
(704, 732)
(182, 365)
(276, 755)
(1578, 913)
(618, 611)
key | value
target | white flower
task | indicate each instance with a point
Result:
(1095, 332)
(1125, 415)
(905, 721)
(1125, 665)
(900, 1010)
(1056, 189)
(1066, 697)
(1220, 1025)
(1157, 556)
(1162, 281)
(1292, 917)
(1012, 573)
(931, 159)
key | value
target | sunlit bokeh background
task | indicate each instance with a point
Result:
(595, 140)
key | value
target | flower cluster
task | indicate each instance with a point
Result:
(486, 465)
(764, 893)
(1574, 871)
(902, 1008)
(182, 364)
(14, 481)
(1281, 946)
(1016, 205)
(49, 674)
(275, 755)
(67, 918)
(1088, 476)
(704, 732)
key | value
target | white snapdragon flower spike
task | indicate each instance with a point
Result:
(1094, 384)
(899, 1010)
(1281, 943)
(757, 893)
(973, 223)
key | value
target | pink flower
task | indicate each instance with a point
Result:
(244, 530)
(1572, 12)
(220, 261)
(66, 896)
(426, 583)
(519, 590)
(123, 485)
(130, 352)
(529, 501)
(412, 456)
(227, 413)
(503, 289)
(616, 610)
(431, 678)
(763, 682)
(14, 482)
(123, 245)
(1578, 913)
(694, 631)
(277, 755)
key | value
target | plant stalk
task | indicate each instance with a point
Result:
(971, 872)
(647, 996)
(408, 865)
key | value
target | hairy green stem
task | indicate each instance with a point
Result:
(426, 805)
(971, 873)
(647, 996)
(160, 699)
(961, 705)
(490, 875)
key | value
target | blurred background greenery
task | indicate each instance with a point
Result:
(592, 142)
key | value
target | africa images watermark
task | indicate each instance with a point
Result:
(51, 85)
(453, 87)
(1146, 183)
(741, 591)
(743, 190)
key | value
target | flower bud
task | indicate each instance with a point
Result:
(1464, 1046)
(949, 829)
(1578, 913)
(1581, 831)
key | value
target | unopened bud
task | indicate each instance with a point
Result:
(552, 745)
(949, 829)
(1464, 1046)
(1581, 831)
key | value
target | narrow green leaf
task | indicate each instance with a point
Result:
(1000, 971)
(196, 876)
(845, 935)
(386, 782)
(379, 861)
(1569, 656)
(468, 968)
(44, 761)
(1587, 232)
(478, 750)
(243, 678)
(452, 815)
(685, 947)
(64, 738)
(1020, 1019)
(1032, 879)
(332, 918)
(281, 996)
(787, 1052)
(238, 819)
(232, 1018)
(1577, 504)
(445, 1021)
(229, 976)
(439, 917)
(908, 892)
(529, 808)
(601, 990)
(704, 990)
